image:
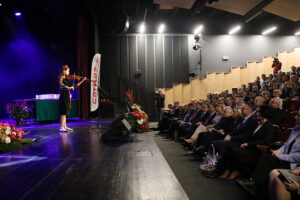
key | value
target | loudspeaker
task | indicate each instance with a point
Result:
(119, 130)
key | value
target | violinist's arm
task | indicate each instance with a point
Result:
(78, 84)
(62, 85)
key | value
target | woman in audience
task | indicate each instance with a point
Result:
(284, 188)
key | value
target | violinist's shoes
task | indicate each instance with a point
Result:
(69, 129)
(63, 130)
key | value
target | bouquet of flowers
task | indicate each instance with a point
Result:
(136, 117)
(18, 111)
(9, 133)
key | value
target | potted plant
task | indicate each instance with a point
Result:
(18, 111)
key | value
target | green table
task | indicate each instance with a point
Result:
(49, 110)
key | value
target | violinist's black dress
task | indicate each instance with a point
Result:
(64, 97)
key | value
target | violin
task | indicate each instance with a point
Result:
(74, 77)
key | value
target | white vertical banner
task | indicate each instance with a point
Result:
(95, 82)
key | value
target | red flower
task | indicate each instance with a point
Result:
(12, 136)
(19, 139)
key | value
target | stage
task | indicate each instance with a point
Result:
(78, 166)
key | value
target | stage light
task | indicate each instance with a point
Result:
(269, 30)
(297, 33)
(142, 27)
(18, 14)
(0, 4)
(234, 30)
(198, 30)
(161, 28)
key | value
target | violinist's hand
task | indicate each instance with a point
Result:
(84, 79)
(71, 88)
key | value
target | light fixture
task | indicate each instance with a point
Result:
(234, 30)
(161, 28)
(198, 30)
(142, 27)
(269, 30)
(297, 33)
(18, 14)
(0, 4)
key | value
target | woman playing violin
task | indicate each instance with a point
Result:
(64, 98)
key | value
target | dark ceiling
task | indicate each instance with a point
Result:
(111, 15)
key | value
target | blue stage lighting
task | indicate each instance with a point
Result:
(18, 14)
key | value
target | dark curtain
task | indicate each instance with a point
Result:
(82, 63)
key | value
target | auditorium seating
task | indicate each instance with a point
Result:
(238, 75)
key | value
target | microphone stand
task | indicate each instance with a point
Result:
(99, 88)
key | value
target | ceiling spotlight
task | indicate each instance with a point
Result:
(297, 33)
(0, 4)
(198, 30)
(161, 28)
(269, 30)
(234, 30)
(142, 27)
(18, 14)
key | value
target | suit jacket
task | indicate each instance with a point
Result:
(209, 119)
(243, 129)
(226, 123)
(294, 156)
(263, 136)
(277, 116)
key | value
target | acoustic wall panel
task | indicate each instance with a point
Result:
(133, 58)
(177, 89)
(186, 93)
(124, 57)
(168, 61)
(236, 76)
(141, 69)
(159, 64)
(150, 63)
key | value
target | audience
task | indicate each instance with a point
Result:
(242, 132)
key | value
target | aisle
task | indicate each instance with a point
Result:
(197, 186)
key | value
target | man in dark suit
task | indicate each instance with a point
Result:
(243, 128)
(159, 101)
(247, 148)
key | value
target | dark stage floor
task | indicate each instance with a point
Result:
(78, 166)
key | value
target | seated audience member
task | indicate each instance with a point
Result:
(277, 93)
(286, 157)
(293, 70)
(286, 90)
(243, 127)
(258, 101)
(277, 113)
(203, 127)
(218, 132)
(287, 188)
(247, 146)
(266, 95)
(295, 91)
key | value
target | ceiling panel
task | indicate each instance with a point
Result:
(289, 9)
(176, 3)
(240, 7)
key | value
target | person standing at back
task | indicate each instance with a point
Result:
(159, 101)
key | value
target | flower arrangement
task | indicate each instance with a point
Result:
(18, 111)
(9, 133)
(136, 117)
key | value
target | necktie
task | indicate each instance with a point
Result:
(290, 146)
